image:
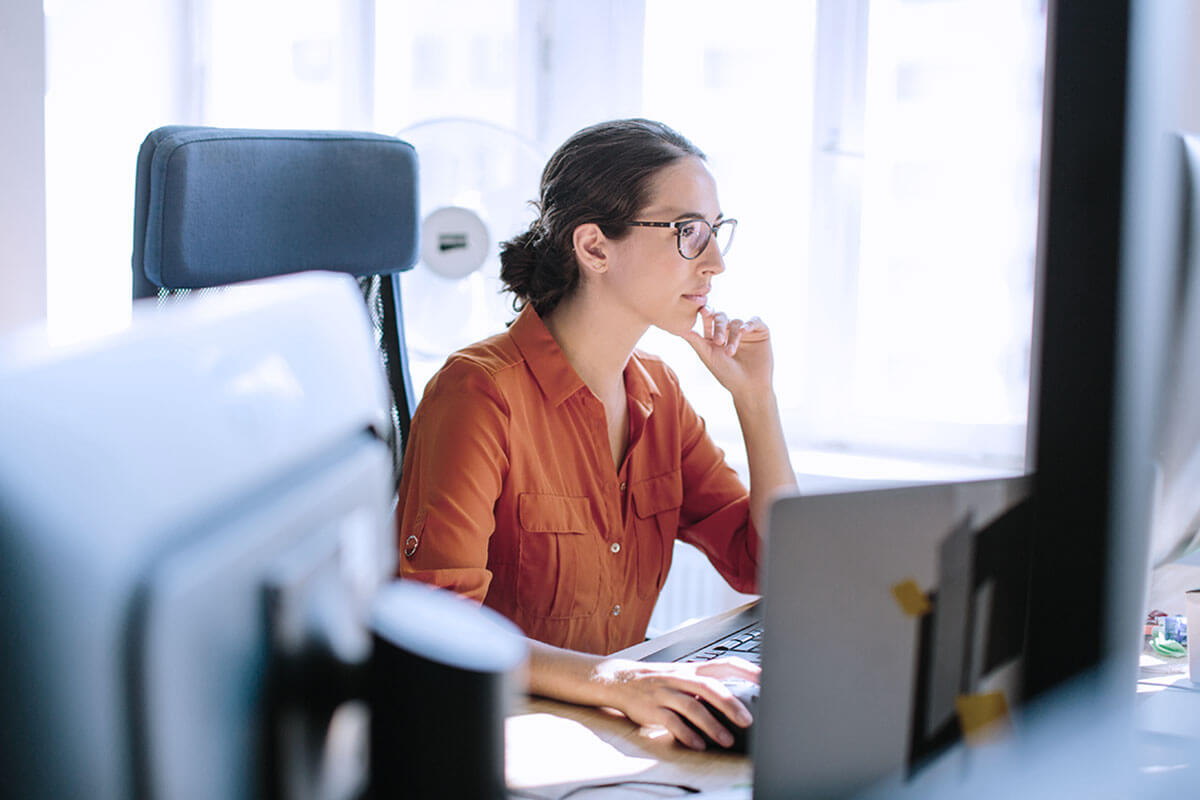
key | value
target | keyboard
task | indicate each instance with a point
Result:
(739, 635)
(744, 643)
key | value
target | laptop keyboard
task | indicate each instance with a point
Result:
(744, 643)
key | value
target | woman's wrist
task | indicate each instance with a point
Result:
(569, 675)
(755, 401)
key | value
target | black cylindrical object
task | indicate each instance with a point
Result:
(442, 677)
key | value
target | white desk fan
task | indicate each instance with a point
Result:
(476, 183)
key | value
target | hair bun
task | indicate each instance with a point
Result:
(518, 262)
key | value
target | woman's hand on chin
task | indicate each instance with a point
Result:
(736, 352)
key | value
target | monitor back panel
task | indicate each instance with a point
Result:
(850, 666)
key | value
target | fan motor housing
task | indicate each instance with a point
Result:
(454, 241)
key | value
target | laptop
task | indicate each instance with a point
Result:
(885, 615)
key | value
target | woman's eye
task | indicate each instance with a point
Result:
(689, 230)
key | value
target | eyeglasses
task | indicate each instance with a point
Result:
(693, 235)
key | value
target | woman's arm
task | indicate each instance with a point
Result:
(766, 450)
(739, 355)
(454, 466)
(649, 694)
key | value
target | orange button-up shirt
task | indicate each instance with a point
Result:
(509, 494)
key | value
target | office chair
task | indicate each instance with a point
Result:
(218, 206)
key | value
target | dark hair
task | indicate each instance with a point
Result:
(600, 175)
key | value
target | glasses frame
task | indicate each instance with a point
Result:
(677, 225)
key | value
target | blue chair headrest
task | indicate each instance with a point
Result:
(217, 206)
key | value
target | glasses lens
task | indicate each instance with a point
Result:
(724, 233)
(693, 236)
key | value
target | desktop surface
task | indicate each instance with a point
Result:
(553, 747)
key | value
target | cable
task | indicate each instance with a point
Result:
(683, 788)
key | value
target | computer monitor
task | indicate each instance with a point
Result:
(894, 626)
(1112, 402)
(1175, 531)
(1112, 425)
(178, 500)
(1106, 304)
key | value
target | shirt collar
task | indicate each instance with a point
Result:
(556, 377)
(639, 384)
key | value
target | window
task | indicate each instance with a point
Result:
(110, 79)
(923, 260)
(281, 63)
(881, 157)
(456, 58)
(742, 91)
(892, 253)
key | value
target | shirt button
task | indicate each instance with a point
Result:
(617, 610)
(615, 547)
(622, 486)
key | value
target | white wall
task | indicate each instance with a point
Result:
(22, 164)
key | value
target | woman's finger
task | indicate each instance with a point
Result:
(706, 321)
(754, 330)
(692, 711)
(721, 698)
(691, 689)
(682, 732)
(720, 328)
(728, 667)
(734, 336)
(696, 340)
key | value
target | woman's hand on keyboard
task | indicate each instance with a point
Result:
(658, 695)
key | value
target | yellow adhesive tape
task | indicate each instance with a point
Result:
(983, 717)
(910, 597)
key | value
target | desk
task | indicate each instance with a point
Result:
(1167, 719)
(553, 747)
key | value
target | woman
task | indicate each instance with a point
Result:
(551, 467)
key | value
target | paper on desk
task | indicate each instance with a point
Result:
(1155, 671)
(566, 751)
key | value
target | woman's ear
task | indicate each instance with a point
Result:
(591, 248)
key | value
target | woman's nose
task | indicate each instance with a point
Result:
(711, 259)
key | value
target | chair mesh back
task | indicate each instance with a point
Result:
(168, 296)
(377, 297)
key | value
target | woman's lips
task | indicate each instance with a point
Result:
(698, 299)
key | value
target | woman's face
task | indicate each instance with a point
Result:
(646, 273)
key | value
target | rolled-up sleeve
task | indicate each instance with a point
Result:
(454, 468)
(715, 515)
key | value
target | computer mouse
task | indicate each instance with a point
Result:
(745, 691)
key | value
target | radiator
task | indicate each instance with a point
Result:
(693, 590)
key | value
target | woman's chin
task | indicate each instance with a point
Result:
(679, 325)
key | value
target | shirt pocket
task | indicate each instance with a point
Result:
(656, 504)
(558, 558)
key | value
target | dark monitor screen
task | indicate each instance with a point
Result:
(1108, 255)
